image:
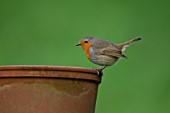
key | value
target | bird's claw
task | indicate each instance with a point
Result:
(99, 72)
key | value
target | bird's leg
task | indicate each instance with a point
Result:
(102, 67)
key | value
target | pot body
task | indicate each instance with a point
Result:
(47, 89)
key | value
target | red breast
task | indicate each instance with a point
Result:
(86, 47)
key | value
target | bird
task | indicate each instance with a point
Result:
(102, 52)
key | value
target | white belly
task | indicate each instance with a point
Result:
(103, 60)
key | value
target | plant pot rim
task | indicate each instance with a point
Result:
(45, 71)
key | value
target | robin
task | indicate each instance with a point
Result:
(102, 52)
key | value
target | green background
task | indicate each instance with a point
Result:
(44, 32)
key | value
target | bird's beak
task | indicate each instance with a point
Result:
(78, 44)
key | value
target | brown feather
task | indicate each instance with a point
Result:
(126, 44)
(114, 53)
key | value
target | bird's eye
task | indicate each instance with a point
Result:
(85, 41)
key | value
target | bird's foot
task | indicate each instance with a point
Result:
(99, 71)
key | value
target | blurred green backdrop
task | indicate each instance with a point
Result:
(44, 32)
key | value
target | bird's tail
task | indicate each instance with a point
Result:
(123, 46)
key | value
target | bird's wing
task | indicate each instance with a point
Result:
(102, 47)
(112, 52)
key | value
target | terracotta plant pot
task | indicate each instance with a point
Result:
(47, 89)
